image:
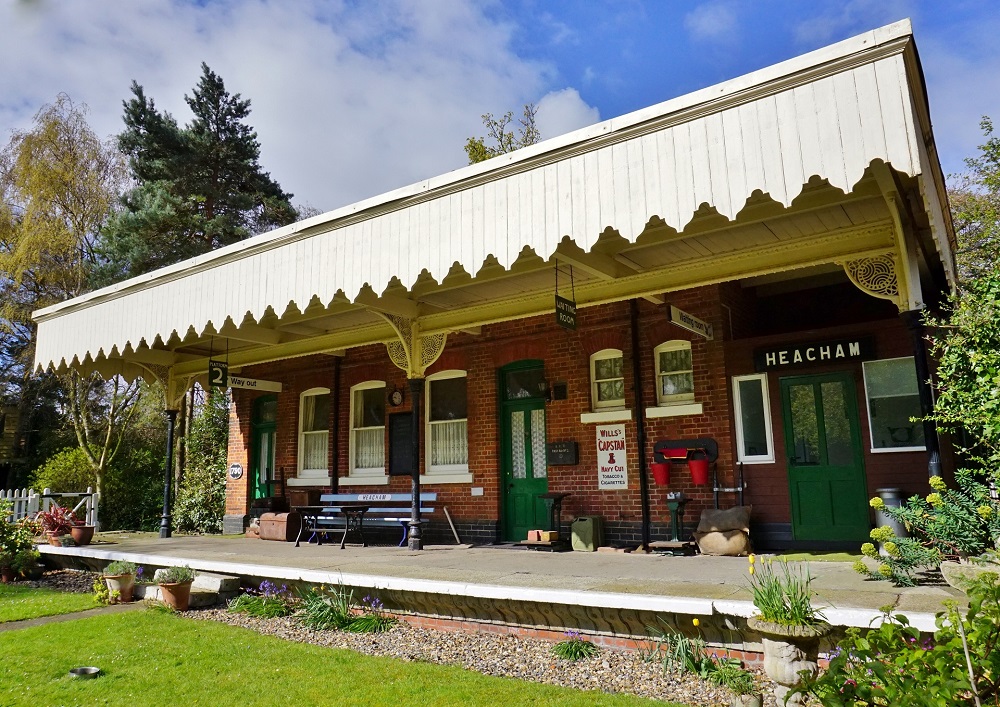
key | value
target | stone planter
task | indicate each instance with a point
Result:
(747, 701)
(788, 652)
(956, 574)
(121, 583)
(176, 595)
(82, 534)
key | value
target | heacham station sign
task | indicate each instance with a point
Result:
(814, 353)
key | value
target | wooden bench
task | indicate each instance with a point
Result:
(351, 512)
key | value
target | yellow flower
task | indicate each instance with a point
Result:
(860, 567)
(751, 569)
(868, 550)
(752, 558)
(877, 503)
(934, 499)
(696, 622)
(891, 548)
(885, 570)
(985, 511)
(937, 483)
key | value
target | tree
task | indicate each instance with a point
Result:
(201, 497)
(58, 183)
(196, 188)
(502, 139)
(975, 207)
(966, 343)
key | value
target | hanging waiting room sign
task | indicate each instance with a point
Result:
(612, 467)
(814, 353)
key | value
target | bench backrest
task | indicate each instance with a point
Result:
(375, 498)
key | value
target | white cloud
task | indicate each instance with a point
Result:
(560, 112)
(714, 21)
(348, 100)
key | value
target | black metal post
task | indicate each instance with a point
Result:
(416, 394)
(168, 473)
(914, 321)
(640, 421)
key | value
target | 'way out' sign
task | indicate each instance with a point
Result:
(612, 468)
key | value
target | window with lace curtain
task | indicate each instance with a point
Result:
(607, 380)
(447, 423)
(314, 433)
(368, 429)
(674, 372)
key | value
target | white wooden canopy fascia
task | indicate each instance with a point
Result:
(685, 171)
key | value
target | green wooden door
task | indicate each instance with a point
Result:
(826, 475)
(263, 423)
(524, 473)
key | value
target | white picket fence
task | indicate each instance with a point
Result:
(27, 502)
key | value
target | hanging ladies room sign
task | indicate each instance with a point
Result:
(612, 467)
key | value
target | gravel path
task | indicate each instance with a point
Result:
(490, 654)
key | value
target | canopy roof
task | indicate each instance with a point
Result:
(824, 159)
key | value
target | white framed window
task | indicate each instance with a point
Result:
(674, 373)
(447, 420)
(314, 433)
(893, 399)
(754, 439)
(368, 429)
(607, 380)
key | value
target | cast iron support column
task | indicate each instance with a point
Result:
(913, 321)
(416, 394)
(168, 473)
(335, 428)
(640, 421)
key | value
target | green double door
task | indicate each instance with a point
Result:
(524, 471)
(826, 475)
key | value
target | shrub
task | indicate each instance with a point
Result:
(730, 675)
(120, 567)
(325, 609)
(65, 471)
(949, 523)
(174, 575)
(960, 665)
(268, 601)
(575, 647)
(201, 496)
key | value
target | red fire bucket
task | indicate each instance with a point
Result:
(661, 473)
(698, 464)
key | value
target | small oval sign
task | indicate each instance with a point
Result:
(235, 471)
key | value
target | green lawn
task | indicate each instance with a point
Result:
(18, 602)
(152, 657)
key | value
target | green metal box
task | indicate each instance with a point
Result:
(588, 533)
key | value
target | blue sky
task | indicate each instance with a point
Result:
(352, 98)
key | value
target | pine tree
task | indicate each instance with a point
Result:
(197, 187)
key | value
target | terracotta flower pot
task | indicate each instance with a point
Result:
(54, 538)
(82, 534)
(176, 595)
(788, 651)
(7, 574)
(121, 583)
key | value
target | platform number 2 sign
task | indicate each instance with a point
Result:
(218, 374)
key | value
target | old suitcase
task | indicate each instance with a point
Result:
(280, 526)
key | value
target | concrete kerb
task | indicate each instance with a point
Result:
(433, 594)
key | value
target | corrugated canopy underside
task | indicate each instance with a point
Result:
(829, 114)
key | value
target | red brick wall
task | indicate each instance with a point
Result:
(731, 310)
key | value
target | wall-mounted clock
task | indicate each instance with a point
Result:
(396, 397)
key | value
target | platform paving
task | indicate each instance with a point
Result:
(628, 582)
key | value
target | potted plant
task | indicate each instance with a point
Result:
(26, 563)
(789, 626)
(56, 522)
(175, 586)
(120, 577)
(82, 533)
